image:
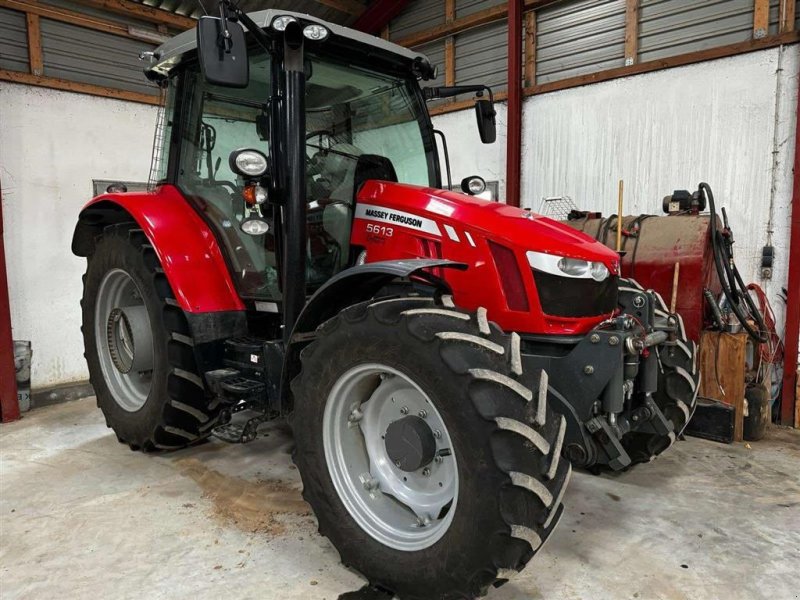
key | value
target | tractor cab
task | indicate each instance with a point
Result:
(363, 117)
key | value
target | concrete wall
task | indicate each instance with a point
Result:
(713, 121)
(52, 144)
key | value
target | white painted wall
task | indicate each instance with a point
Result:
(658, 132)
(712, 121)
(52, 144)
(468, 156)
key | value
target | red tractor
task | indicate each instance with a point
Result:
(442, 359)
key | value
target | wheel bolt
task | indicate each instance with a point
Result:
(426, 471)
(404, 410)
(613, 340)
(438, 460)
(422, 414)
(588, 369)
(437, 434)
(595, 338)
(397, 464)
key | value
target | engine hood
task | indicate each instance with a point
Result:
(507, 225)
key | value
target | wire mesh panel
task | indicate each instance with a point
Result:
(557, 207)
(158, 162)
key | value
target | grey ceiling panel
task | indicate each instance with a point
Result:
(87, 56)
(575, 38)
(674, 27)
(416, 16)
(467, 7)
(13, 41)
(482, 55)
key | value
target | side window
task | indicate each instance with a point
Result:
(218, 121)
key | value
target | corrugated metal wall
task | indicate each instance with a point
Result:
(672, 27)
(574, 38)
(13, 41)
(417, 15)
(482, 55)
(88, 56)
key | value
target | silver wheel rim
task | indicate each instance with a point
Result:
(124, 340)
(403, 510)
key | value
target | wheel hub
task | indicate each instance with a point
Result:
(390, 457)
(124, 338)
(410, 444)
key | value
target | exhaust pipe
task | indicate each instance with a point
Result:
(294, 255)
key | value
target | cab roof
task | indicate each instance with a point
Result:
(170, 53)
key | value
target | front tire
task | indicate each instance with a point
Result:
(138, 347)
(504, 440)
(678, 384)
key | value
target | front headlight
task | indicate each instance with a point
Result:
(567, 267)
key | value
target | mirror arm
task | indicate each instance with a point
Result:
(446, 157)
(435, 93)
(258, 34)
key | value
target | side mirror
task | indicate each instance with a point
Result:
(487, 127)
(222, 51)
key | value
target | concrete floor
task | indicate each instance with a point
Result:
(83, 517)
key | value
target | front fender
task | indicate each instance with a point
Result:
(185, 245)
(358, 284)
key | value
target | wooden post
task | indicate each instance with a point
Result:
(619, 216)
(530, 48)
(450, 45)
(631, 32)
(35, 44)
(787, 15)
(760, 19)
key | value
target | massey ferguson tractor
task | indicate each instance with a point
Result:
(443, 360)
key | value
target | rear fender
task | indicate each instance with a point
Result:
(189, 253)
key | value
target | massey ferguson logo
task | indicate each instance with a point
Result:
(397, 217)
(394, 217)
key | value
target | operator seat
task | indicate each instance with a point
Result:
(372, 166)
(337, 218)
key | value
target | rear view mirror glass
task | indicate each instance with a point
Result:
(223, 58)
(485, 113)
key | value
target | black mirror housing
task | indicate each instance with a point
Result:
(487, 126)
(223, 59)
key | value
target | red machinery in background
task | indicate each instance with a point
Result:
(664, 254)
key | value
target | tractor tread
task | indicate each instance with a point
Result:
(676, 394)
(524, 437)
(181, 414)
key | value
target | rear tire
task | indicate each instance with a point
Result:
(505, 440)
(168, 409)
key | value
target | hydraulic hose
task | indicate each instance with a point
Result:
(732, 285)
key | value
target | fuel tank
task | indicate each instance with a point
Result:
(498, 242)
(653, 246)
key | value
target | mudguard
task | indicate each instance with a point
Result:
(185, 245)
(356, 285)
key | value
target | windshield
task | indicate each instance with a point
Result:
(360, 125)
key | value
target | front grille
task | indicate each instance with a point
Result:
(570, 297)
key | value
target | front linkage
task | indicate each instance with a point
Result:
(627, 388)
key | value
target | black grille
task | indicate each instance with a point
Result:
(569, 297)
